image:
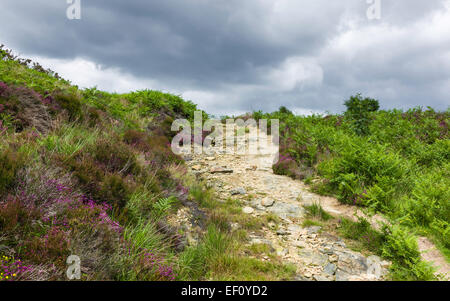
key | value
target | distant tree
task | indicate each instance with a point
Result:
(358, 111)
(284, 110)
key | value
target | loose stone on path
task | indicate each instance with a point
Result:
(248, 210)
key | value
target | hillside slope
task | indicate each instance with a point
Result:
(89, 173)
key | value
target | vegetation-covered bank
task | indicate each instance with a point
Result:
(89, 173)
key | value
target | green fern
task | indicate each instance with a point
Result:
(163, 206)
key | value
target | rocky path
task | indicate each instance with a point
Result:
(318, 255)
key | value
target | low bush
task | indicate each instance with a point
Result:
(17, 216)
(114, 191)
(70, 102)
(114, 156)
(316, 211)
(10, 164)
(358, 111)
(362, 231)
(401, 248)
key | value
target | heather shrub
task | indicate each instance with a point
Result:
(95, 245)
(85, 170)
(144, 266)
(114, 191)
(94, 117)
(65, 222)
(165, 128)
(94, 236)
(10, 163)
(51, 247)
(70, 102)
(11, 269)
(22, 108)
(111, 188)
(156, 148)
(17, 216)
(160, 152)
(44, 185)
(102, 186)
(114, 156)
(287, 166)
(136, 138)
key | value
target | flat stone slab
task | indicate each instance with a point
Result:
(310, 257)
(248, 210)
(267, 202)
(286, 210)
(237, 191)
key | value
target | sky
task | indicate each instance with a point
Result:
(235, 56)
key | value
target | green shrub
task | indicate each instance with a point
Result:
(401, 248)
(362, 232)
(358, 110)
(284, 110)
(69, 139)
(430, 197)
(196, 261)
(316, 211)
(162, 206)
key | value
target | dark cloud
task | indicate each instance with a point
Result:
(231, 55)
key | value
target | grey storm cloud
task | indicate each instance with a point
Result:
(240, 55)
